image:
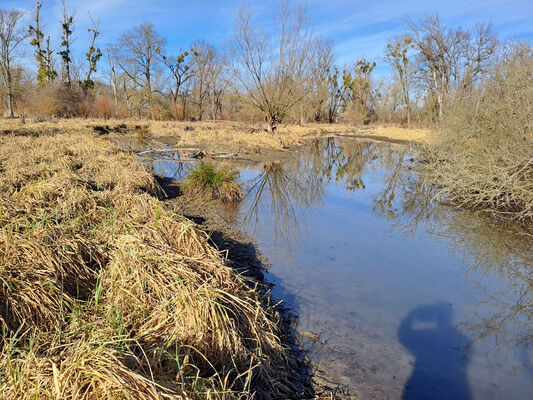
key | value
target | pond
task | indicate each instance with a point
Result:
(397, 295)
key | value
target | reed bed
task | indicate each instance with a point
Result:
(104, 294)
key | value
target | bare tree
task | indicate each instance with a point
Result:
(479, 53)
(322, 64)
(360, 91)
(93, 55)
(336, 94)
(138, 57)
(396, 55)
(439, 55)
(113, 79)
(451, 59)
(273, 71)
(11, 35)
(208, 67)
(180, 67)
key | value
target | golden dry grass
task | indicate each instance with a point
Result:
(413, 135)
(224, 136)
(105, 295)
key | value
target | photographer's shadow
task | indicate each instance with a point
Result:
(440, 362)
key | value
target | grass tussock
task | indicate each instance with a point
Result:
(485, 159)
(106, 295)
(217, 182)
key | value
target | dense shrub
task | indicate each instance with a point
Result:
(485, 159)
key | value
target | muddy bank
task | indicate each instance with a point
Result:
(242, 254)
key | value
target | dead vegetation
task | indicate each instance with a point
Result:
(106, 295)
(220, 136)
(485, 158)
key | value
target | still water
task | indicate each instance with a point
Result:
(409, 298)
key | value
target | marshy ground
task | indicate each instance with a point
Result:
(107, 294)
(115, 285)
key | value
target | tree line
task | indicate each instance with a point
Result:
(289, 75)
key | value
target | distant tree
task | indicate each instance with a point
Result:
(451, 59)
(336, 94)
(11, 35)
(207, 66)
(396, 54)
(359, 90)
(180, 67)
(273, 72)
(321, 66)
(43, 53)
(92, 56)
(113, 76)
(138, 57)
(66, 42)
(480, 53)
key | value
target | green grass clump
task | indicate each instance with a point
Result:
(216, 182)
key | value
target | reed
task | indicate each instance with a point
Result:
(104, 294)
(217, 182)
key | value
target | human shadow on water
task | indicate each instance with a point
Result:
(440, 364)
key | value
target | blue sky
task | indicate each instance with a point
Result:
(358, 28)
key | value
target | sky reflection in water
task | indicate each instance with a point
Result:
(411, 299)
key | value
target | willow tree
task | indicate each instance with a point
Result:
(11, 35)
(273, 70)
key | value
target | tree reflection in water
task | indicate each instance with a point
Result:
(290, 188)
(287, 194)
(490, 247)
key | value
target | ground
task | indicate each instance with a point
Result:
(82, 223)
(224, 137)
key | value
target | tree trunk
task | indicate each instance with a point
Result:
(272, 124)
(113, 82)
(10, 113)
(439, 105)
(9, 98)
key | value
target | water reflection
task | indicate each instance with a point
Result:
(491, 248)
(287, 192)
(440, 362)
(330, 204)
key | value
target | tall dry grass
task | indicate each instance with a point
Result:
(106, 295)
(485, 159)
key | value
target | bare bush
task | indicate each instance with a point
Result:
(102, 107)
(485, 159)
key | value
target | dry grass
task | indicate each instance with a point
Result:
(105, 295)
(404, 134)
(222, 136)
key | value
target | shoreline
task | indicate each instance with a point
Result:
(245, 256)
(91, 251)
